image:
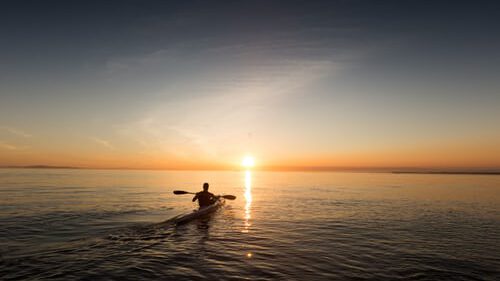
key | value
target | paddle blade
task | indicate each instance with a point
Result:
(178, 192)
(229, 197)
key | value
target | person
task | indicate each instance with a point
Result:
(204, 197)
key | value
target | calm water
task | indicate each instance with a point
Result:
(110, 225)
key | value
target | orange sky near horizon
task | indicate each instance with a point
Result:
(461, 156)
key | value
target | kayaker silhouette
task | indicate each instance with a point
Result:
(204, 197)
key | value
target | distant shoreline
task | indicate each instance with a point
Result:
(363, 170)
(447, 173)
(40, 167)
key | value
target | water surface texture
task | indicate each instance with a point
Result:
(113, 225)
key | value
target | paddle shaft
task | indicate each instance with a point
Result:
(179, 192)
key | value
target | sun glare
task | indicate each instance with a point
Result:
(248, 162)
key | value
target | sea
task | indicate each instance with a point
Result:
(79, 224)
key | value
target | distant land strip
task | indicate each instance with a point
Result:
(447, 172)
(40, 167)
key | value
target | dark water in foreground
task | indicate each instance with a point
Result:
(106, 225)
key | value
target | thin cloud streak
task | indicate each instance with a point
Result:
(103, 143)
(9, 146)
(15, 132)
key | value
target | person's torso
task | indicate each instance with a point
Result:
(205, 198)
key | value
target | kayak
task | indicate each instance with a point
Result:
(202, 211)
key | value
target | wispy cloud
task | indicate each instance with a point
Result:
(9, 146)
(160, 134)
(208, 95)
(200, 119)
(103, 143)
(15, 132)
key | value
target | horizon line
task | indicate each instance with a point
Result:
(394, 170)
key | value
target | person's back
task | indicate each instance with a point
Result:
(204, 197)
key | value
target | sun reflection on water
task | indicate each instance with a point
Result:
(248, 200)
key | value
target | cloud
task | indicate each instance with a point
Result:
(8, 146)
(201, 97)
(103, 143)
(159, 134)
(213, 114)
(15, 132)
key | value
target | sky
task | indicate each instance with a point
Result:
(296, 84)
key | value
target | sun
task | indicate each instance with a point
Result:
(248, 161)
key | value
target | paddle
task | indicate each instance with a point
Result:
(179, 192)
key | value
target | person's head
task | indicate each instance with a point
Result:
(205, 186)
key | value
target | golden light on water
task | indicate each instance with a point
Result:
(248, 200)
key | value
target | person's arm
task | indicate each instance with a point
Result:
(195, 197)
